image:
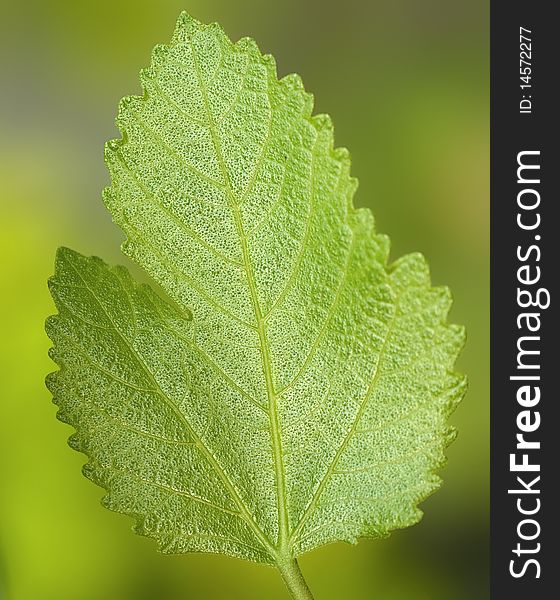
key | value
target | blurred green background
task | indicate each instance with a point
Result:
(406, 83)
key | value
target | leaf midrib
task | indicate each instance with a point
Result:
(281, 548)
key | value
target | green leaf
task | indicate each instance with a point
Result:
(294, 388)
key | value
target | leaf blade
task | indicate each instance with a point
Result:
(329, 372)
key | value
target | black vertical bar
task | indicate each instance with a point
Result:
(518, 254)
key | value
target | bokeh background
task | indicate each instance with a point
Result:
(406, 83)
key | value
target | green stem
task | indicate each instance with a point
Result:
(293, 578)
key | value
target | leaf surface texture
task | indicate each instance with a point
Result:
(293, 388)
